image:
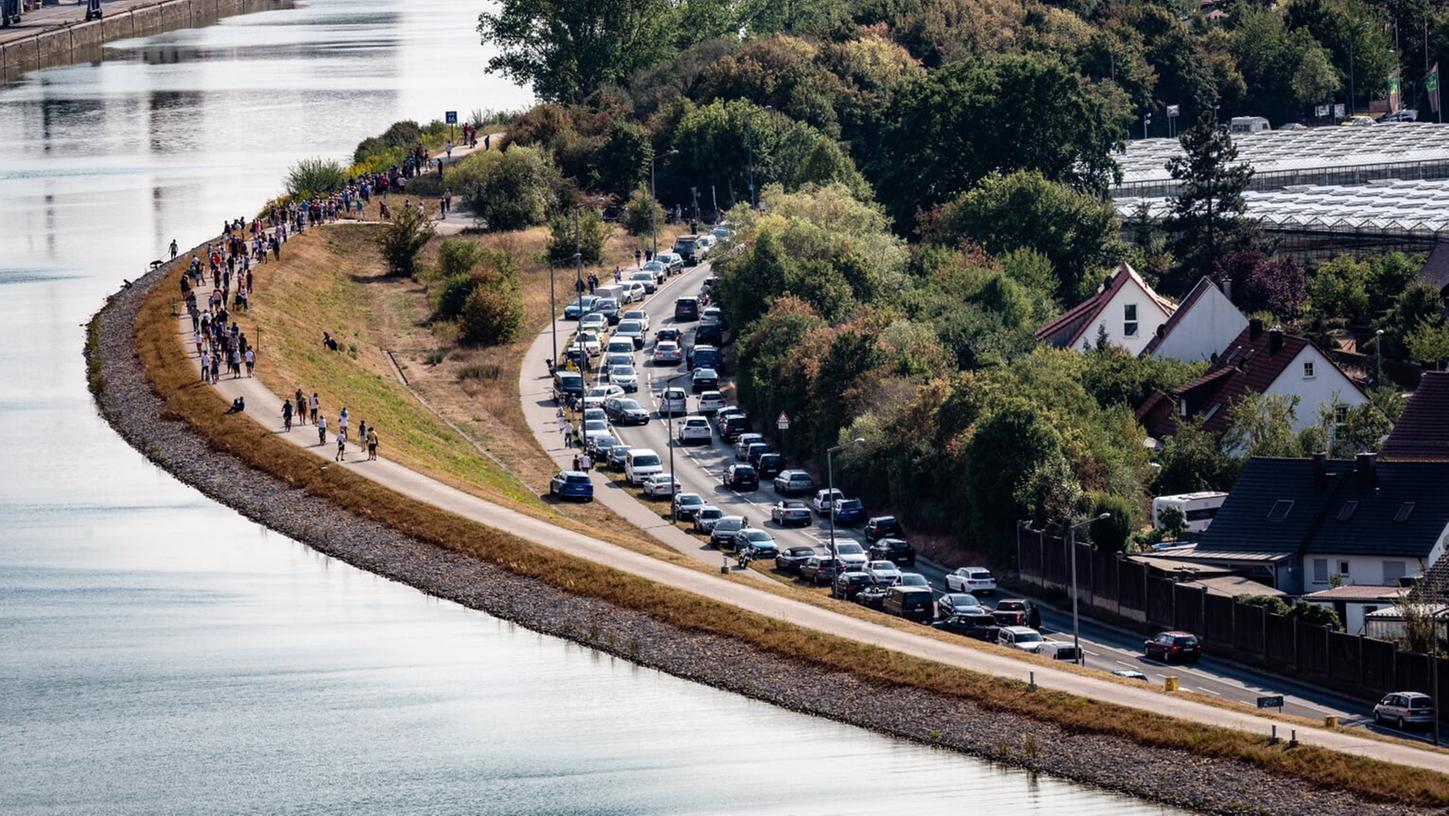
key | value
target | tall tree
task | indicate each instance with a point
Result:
(1207, 214)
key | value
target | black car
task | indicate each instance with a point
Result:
(704, 379)
(979, 625)
(959, 603)
(755, 450)
(1017, 612)
(701, 355)
(791, 559)
(819, 570)
(742, 477)
(910, 602)
(732, 426)
(770, 465)
(848, 584)
(882, 527)
(897, 550)
(625, 411)
(872, 596)
(713, 335)
(687, 248)
(686, 309)
(566, 385)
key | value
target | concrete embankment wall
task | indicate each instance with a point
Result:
(82, 41)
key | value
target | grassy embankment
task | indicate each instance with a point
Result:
(201, 407)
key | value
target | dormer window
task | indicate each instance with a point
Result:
(1129, 320)
(1308, 370)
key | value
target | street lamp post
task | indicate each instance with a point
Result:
(830, 485)
(553, 313)
(673, 507)
(1076, 619)
(654, 202)
(1378, 357)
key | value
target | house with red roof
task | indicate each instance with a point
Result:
(1125, 310)
(1202, 325)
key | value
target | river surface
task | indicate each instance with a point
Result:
(161, 654)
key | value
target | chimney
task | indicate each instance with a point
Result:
(1255, 328)
(1320, 472)
(1228, 289)
(1275, 341)
(1365, 466)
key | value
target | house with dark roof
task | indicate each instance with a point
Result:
(1421, 433)
(1262, 361)
(1125, 310)
(1201, 326)
(1305, 525)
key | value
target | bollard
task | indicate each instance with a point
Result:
(724, 567)
(1169, 683)
(1273, 737)
(1031, 681)
(1331, 721)
(1293, 738)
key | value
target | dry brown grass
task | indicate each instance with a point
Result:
(203, 409)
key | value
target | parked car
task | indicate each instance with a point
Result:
(852, 554)
(711, 335)
(686, 247)
(618, 458)
(847, 584)
(790, 559)
(686, 309)
(711, 316)
(625, 377)
(593, 429)
(1170, 646)
(596, 396)
(685, 505)
(757, 542)
(820, 570)
(572, 484)
(884, 572)
(955, 603)
(894, 549)
(754, 451)
(599, 446)
(608, 308)
(622, 346)
(579, 307)
(701, 355)
(872, 595)
(1024, 638)
(741, 477)
(794, 483)
(724, 530)
(567, 385)
(882, 527)
(1016, 612)
(594, 322)
(659, 485)
(657, 269)
(770, 465)
(640, 464)
(704, 379)
(631, 330)
(978, 625)
(672, 262)
(1405, 708)
(849, 512)
(913, 579)
(645, 279)
(743, 442)
(970, 579)
(666, 353)
(590, 341)
(790, 512)
(694, 429)
(626, 411)
(705, 517)
(673, 402)
(824, 498)
(634, 291)
(615, 358)
(732, 426)
(709, 402)
(636, 314)
(910, 602)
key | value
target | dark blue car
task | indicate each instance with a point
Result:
(572, 484)
(850, 511)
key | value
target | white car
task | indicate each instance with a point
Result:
(625, 377)
(704, 245)
(1405, 708)
(640, 464)
(1024, 638)
(594, 428)
(673, 402)
(636, 314)
(711, 401)
(852, 555)
(710, 316)
(594, 397)
(621, 345)
(666, 352)
(659, 485)
(883, 572)
(694, 429)
(589, 341)
(657, 269)
(616, 358)
(824, 498)
(631, 330)
(970, 579)
(594, 322)
(634, 291)
(646, 280)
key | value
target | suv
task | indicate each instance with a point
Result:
(819, 569)
(1170, 646)
(686, 309)
(693, 429)
(848, 584)
(898, 550)
(1405, 708)
(849, 511)
(794, 483)
(702, 356)
(567, 385)
(910, 602)
(732, 425)
(687, 248)
(741, 477)
(770, 465)
(673, 402)
(571, 484)
(882, 527)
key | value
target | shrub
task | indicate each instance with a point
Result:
(459, 257)
(511, 189)
(402, 240)
(586, 235)
(493, 313)
(642, 214)
(1111, 533)
(315, 177)
(402, 135)
(453, 295)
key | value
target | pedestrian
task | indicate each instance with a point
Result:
(568, 432)
(216, 367)
(448, 148)
(618, 274)
(313, 406)
(341, 448)
(301, 406)
(638, 256)
(173, 249)
(342, 422)
(487, 137)
(205, 366)
(321, 430)
(576, 462)
(586, 463)
(372, 444)
(197, 337)
(251, 360)
(287, 414)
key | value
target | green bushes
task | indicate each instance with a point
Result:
(642, 214)
(512, 189)
(402, 240)
(315, 177)
(583, 232)
(480, 290)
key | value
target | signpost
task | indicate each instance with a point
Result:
(782, 423)
(451, 119)
(1271, 701)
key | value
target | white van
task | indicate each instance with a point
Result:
(1248, 124)
(640, 464)
(1198, 508)
(611, 291)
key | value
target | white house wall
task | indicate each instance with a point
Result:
(1327, 386)
(1208, 326)
(1149, 316)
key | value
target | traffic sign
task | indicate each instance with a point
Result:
(783, 423)
(450, 118)
(1274, 701)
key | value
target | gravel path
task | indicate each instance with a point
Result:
(128, 402)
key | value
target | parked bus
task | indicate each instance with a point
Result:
(1197, 508)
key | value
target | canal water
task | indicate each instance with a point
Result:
(161, 654)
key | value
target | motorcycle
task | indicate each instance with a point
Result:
(743, 559)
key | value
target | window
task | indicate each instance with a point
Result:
(1308, 370)
(1340, 416)
(1405, 510)
(1129, 320)
(1320, 570)
(1280, 510)
(1393, 571)
(1346, 511)
(1343, 569)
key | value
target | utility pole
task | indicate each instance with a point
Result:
(653, 205)
(579, 287)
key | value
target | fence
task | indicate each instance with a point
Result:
(1126, 591)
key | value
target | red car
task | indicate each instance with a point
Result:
(1170, 646)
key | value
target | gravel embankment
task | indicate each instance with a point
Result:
(1173, 777)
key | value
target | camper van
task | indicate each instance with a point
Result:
(1248, 124)
(1197, 508)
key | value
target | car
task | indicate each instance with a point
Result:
(636, 314)
(878, 527)
(708, 283)
(674, 402)
(572, 484)
(626, 411)
(770, 465)
(646, 280)
(883, 572)
(625, 377)
(847, 584)
(596, 397)
(567, 385)
(790, 512)
(640, 464)
(756, 542)
(704, 379)
(711, 316)
(731, 426)
(579, 307)
(685, 505)
(594, 413)
(1024, 638)
(705, 517)
(593, 428)
(743, 443)
(852, 554)
(1174, 645)
(622, 346)
(709, 402)
(687, 248)
(702, 356)
(1133, 674)
(913, 579)
(1357, 121)
(672, 262)
(615, 358)
(686, 309)
(618, 457)
(970, 579)
(657, 269)
(872, 595)
(590, 342)
(793, 483)
(849, 512)
(694, 429)
(791, 559)
(706, 243)
(898, 550)
(824, 498)
(607, 308)
(819, 570)
(1403, 115)
(724, 530)
(978, 625)
(1017, 612)
(741, 477)
(631, 330)
(666, 353)
(659, 485)
(599, 446)
(634, 291)
(710, 335)
(669, 334)
(579, 357)
(910, 602)
(1405, 708)
(953, 603)
(755, 450)
(595, 322)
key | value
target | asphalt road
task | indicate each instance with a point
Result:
(699, 468)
